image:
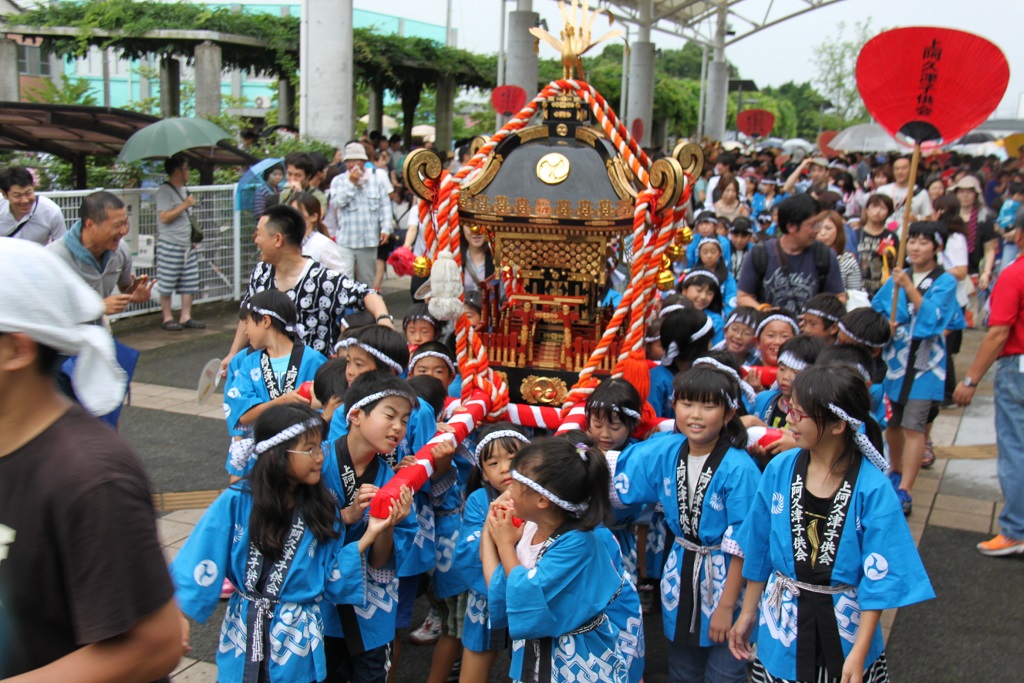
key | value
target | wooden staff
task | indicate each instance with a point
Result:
(901, 254)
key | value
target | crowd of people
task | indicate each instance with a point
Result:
(757, 479)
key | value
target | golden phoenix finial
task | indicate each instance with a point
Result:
(575, 37)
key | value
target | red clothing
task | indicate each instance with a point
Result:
(1007, 304)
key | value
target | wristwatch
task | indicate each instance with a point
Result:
(968, 382)
(387, 316)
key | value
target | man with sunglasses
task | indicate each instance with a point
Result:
(23, 213)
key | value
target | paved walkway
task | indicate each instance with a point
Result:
(960, 491)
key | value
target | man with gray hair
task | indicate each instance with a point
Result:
(84, 588)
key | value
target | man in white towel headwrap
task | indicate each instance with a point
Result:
(84, 590)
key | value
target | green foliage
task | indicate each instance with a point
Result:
(836, 59)
(70, 91)
(388, 60)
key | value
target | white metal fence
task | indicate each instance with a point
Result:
(227, 254)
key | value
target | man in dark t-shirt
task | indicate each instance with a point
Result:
(793, 267)
(84, 589)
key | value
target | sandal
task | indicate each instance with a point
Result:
(193, 324)
(172, 326)
(928, 458)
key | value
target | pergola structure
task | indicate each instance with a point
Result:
(714, 24)
(76, 132)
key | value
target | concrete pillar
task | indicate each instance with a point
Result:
(105, 61)
(170, 86)
(640, 96)
(56, 69)
(326, 67)
(521, 62)
(9, 86)
(208, 70)
(375, 118)
(285, 102)
(718, 82)
(236, 83)
(444, 113)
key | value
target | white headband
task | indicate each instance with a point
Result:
(493, 436)
(793, 362)
(707, 239)
(672, 352)
(748, 391)
(572, 508)
(706, 273)
(622, 410)
(379, 355)
(862, 342)
(432, 354)
(867, 448)
(777, 317)
(671, 309)
(429, 318)
(50, 303)
(267, 312)
(366, 400)
(244, 450)
(821, 314)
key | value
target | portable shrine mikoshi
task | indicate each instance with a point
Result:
(565, 203)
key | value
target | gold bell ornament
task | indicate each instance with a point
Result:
(685, 235)
(675, 251)
(421, 266)
(666, 278)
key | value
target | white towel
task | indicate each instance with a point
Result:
(46, 300)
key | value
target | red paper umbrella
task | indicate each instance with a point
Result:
(823, 140)
(508, 99)
(756, 123)
(929, 83)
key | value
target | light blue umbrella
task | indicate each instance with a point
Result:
(252, 180)
(167, 137)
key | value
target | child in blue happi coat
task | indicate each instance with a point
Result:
(710, 252)
(740, 338)
(686, 335)
(826, 546)
(277, 535)
(705, 482)
(625, 612)
(378, 406)
(551, 580)
(613, 412)
(701, 288)
(916, 357)
(869, 330)
(706, 225)
(271, 375)
(481, 639)
(820, 316)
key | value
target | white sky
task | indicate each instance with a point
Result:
(775, 55)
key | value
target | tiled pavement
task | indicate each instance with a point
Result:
(960, 491)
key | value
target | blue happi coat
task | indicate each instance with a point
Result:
(376, 617)
(920, 331)
(234, 369)
(646, 473)
(446, 502)
(248, 390)
(660, 395)
(218, 548)
(573, 584)
(764, 404)
(477, 632)
(421, 428)
(625, 613)
(875, 555)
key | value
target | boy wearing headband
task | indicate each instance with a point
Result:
(71, 488)
(916, 357)
(821, 315)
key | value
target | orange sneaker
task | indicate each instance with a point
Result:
(1001, 546)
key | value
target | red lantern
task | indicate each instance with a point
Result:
(756, 123)
(637, 129)
(508, 99)
(823, 140)
(929, 83)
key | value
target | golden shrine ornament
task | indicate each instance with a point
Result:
(544, 391)
(553, 168)
(421, 266)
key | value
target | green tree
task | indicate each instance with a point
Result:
(836, 59)
(70, 91)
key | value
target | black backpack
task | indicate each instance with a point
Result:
(759, 259)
